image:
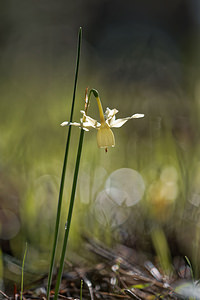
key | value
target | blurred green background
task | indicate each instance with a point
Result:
(143, 57)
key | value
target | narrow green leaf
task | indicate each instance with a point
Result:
(57, 224)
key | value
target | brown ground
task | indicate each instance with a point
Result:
(120, 274)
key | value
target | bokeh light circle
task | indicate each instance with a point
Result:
(106, 209)
(9, 224)
(129, 182)
(124, 188)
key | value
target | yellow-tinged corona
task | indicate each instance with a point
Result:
(105, 136)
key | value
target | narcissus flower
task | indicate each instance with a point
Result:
(105, 136)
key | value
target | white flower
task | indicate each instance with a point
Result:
(105, 136)
(113, 122)
(86, 124)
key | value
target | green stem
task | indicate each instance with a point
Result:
(22, 279)
(81, 291)
(64, 169)
(68, 223)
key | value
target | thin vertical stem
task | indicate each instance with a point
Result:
(81, 290)
(68, 223)
(22, 279)
(64, 168)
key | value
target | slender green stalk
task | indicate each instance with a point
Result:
(68, 223)
(22, 279)
(81, 290)
(64, 168)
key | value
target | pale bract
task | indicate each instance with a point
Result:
(105, 136)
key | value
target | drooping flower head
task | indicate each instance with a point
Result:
(105, 136)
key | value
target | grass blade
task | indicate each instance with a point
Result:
(64, 168)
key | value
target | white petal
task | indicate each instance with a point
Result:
(136, 116)
(65, 123)
(110, 113)
(91, 122)
(110, 120)
(84, 128)
(88, 121)
(87, 124)
(69, 123)
(120, 122)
